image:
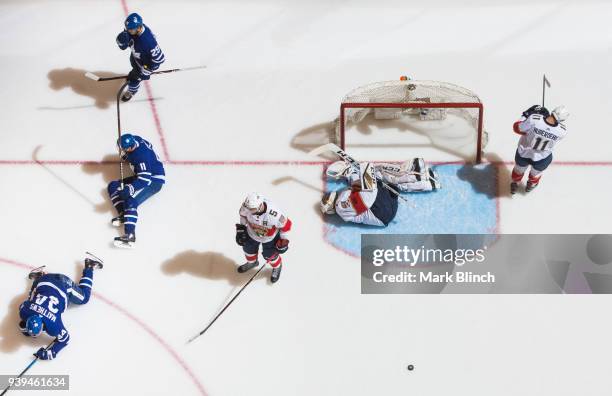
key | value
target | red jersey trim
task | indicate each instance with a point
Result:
(357, 202)
(287, 226)
(516, 128)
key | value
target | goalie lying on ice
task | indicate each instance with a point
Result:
(367, 200)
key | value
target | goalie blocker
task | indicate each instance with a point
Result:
(364, 202)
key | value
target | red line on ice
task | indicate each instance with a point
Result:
(139, 322)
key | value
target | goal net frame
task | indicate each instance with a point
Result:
(450, 96)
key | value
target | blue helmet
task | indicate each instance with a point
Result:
(133, 21)
(34, 325)
(126, 141)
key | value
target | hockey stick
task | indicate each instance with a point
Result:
(228, 304)
(25, 370)
(352, 162)
(119, 132)
(545, 83)
(98, 78)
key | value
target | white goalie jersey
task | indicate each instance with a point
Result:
(367, 201)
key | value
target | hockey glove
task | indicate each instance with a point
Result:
(123, 40)
(241, 234)
(536, 109)
(134, 75)
(127, 191)
(44, 354)
(282, 245)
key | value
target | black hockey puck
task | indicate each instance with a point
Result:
(410, 367)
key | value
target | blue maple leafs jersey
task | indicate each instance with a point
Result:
(146, 164)
(145, 49)
(48, 298)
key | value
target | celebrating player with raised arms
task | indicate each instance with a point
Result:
(146, 55)
(49, 297)
(262, 223)
(128, 194)
(540, 132)
(366, 200)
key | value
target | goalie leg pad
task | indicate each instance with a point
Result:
(328, 202)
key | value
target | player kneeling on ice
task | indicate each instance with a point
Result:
(368, 200)
(49, 297)
(540, 131)
(128, 194)
(146, 55)
(262, 223)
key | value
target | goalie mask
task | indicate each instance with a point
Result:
(338, 169)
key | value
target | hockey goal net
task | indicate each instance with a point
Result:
(448, 116)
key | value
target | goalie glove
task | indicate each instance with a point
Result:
(241, 234)
(282, 245)
(536, 109)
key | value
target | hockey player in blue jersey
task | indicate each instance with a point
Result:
(148, 179)
(146, 55)
(49, 297)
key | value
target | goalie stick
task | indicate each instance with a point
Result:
(95, 77)
(353, 163)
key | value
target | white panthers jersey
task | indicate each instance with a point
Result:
(538, 138)
(264, 227)
(354, 206)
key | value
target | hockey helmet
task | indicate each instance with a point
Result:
(560, 113)
(133, 21)
(126, 141)
(34, 325)
(253, 202)
(337, 170)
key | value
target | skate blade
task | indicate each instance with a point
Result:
(124, 245)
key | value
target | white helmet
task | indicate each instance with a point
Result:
(560, 113)
(253, 202)
(338, 169)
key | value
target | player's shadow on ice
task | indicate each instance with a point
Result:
(11, 338)
(104, 93)
(209, 265)
(108, 168)
(491, 178)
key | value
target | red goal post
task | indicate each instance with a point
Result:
(394, 99)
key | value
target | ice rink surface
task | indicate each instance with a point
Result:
(276, 72)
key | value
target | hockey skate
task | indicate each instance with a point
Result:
(530, 187)
(36, 273)
(91, 263)
(276, 271)
(118, 221)
(127, 95)
(127, 241)
(513, 188)
(247, 266)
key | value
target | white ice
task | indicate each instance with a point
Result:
(275, 70)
